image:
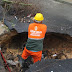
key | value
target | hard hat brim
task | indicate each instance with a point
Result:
(38, 20)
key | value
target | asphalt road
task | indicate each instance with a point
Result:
(51, 65)
(57, 17)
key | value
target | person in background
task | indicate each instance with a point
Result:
(36, 34)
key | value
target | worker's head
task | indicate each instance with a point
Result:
(38, 18)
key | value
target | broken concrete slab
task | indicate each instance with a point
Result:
(51, 65)
(57, 17)
(18, 26)
(3, 28)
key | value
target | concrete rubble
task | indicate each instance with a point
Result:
(3, 28)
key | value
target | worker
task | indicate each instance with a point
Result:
(36, 34)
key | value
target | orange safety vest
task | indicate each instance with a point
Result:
(36, 31)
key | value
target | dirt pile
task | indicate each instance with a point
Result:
(59, 44)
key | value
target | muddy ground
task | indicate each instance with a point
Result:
(54, 43)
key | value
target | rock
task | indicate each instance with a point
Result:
(24, 17)
(18, 65)
(10, 56)
(11, 62)
(16, 17)
(63, 57)
(29, 15)
(28, 21)
(22, 20)
(3, 28)
(54, 55)
(16, 59)
(32, 18)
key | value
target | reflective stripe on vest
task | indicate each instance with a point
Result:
(36, 38)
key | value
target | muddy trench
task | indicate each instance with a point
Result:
(56, 46)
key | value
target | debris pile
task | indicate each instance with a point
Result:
(12, 59)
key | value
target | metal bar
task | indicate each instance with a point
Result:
(5, 60)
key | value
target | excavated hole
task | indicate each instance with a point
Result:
(54, 44)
